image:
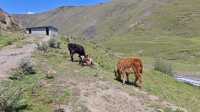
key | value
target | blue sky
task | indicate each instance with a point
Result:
(34, 6)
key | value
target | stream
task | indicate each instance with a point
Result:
(189, 80)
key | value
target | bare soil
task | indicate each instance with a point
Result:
(10, 58)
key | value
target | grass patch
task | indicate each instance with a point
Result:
(163, 66)
(6, 40)
(157, 83)
(41, 98)
(167, 88)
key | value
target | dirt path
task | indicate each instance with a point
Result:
(11, 56)
(98, 94)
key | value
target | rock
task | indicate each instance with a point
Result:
(7, 22)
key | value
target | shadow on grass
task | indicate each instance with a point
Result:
(130, 83)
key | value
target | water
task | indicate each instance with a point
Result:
(188, 80)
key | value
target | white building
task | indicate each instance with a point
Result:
(49, 31)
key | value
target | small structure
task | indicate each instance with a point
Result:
(49, 31)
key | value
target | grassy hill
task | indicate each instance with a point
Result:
(155, 28)
(103, 20)
(166, 17)
(9, 29)
(67, 87)
(149, 29)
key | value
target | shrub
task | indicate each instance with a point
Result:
(163, 66)
(17, 74)
(26, 67)
(42, 46)
(9, 43)
(11, 99)
(50, 74)
(54, 43)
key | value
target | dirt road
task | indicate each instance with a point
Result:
(11, 56)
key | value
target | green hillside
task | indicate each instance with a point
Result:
(180, 17)
(103, 20)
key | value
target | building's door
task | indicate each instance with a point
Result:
(29, 31)
(47, 31)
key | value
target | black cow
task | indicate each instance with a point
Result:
(76, 49)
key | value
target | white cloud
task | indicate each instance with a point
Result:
(30, 12)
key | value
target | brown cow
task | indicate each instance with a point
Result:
(128, 65)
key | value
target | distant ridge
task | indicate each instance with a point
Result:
(120, 17)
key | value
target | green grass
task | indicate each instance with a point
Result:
(167, 88)
(181, 51)
(6, 40)
(37, 96)
(11, 38)
(156, 83)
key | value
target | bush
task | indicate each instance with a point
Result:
(26, 67)
(54, 43)
(42, 46)
(163, 66)
(11, 99)
(17, 74)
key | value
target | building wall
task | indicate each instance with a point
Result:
(52, 32)
(39, 31)
(42, 31)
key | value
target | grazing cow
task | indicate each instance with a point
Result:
(128, 65)
(76, 49)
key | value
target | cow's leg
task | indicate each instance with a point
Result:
(124, 78)
(140, 80)
(136, 79)
(80, 59)
(127, 76)
(71, 55)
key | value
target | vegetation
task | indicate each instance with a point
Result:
(26, 67)
(54, 43)
(163, 67)
(42, 46)
(5, 40)
(9, 39)
(11, 99)
(123, 29)
(155, 82)
(53, 65)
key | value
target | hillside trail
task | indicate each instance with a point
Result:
(95, 93)
(10, 56)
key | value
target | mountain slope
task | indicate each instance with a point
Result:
(7, 22)
(180, 17)
(104, 20)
